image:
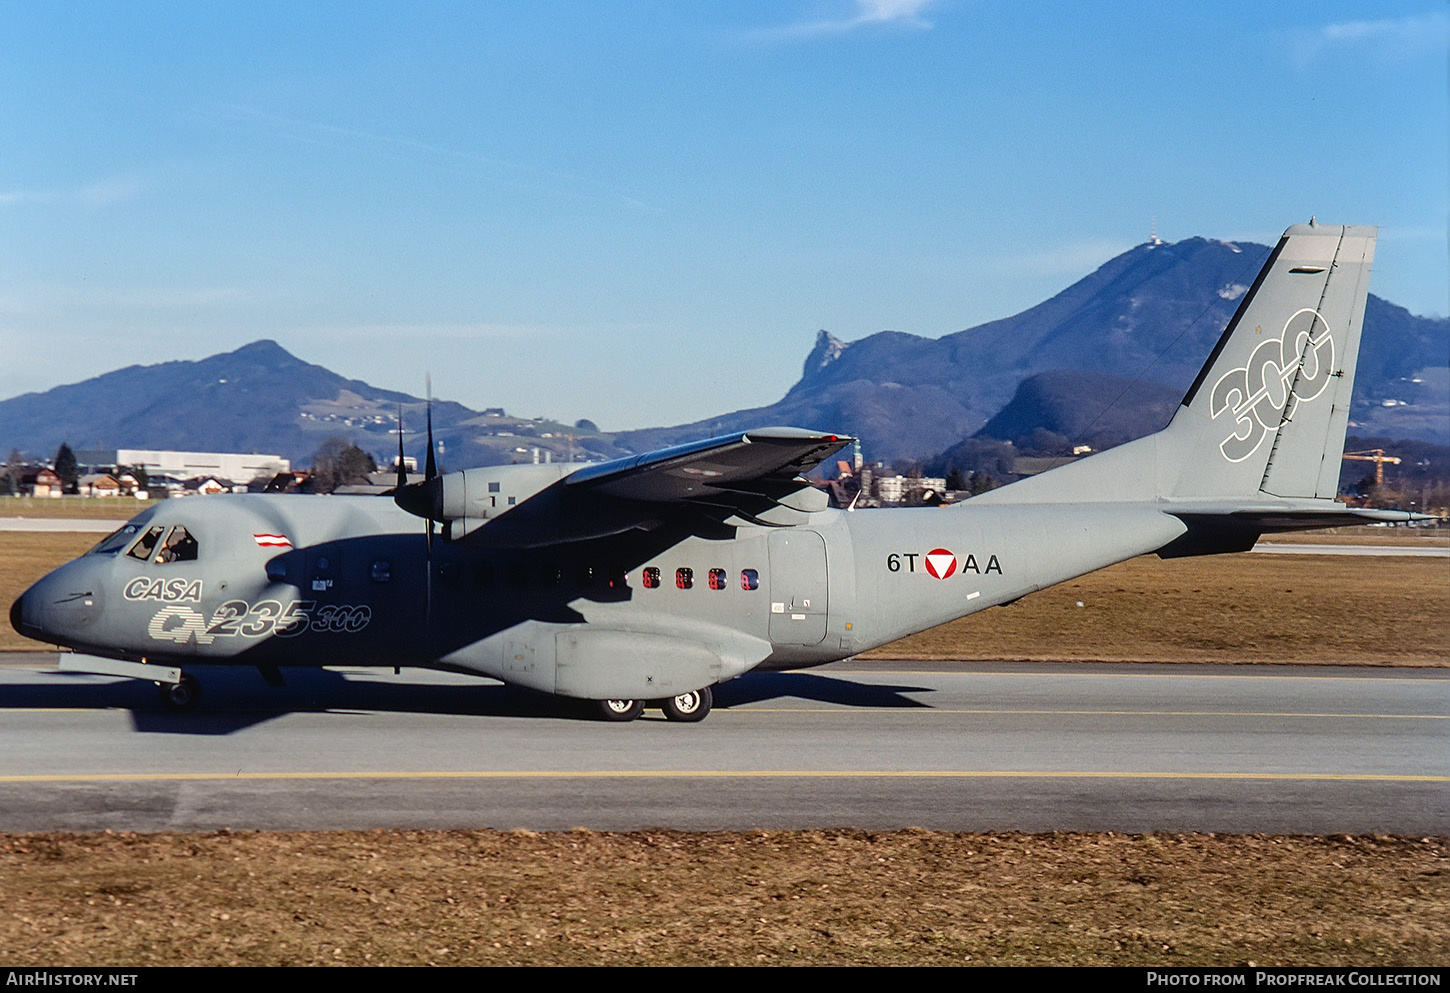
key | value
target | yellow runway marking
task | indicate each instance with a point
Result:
(725, 774)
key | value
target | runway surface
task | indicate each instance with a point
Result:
(949, 746)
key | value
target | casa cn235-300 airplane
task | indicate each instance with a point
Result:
(652, 578)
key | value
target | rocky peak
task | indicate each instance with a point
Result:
(828, 349)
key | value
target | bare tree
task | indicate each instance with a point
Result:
(340, 463)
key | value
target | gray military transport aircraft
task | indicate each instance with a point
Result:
(652, 578)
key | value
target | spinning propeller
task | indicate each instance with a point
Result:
(422, 499)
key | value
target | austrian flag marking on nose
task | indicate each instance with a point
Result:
(272, 540)
(941, 563)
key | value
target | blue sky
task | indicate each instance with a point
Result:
(642, 212)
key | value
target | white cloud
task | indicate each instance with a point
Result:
(98, 193)
(1387, 41)
(866, 13)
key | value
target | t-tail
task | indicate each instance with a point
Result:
(1259, 439)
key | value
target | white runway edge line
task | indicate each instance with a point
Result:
(1287, 548)
(74, 525)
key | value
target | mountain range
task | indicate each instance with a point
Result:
(1105, 360)
(1152, 315)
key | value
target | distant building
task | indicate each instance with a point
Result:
(210, 486)
(903, 489)
(98, 484)
(42, 483)
(185, 465)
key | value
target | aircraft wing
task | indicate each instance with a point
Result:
(693, 488)
(764, 461)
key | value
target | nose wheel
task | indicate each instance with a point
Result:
(181, 697)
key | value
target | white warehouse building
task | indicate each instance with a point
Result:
(189, 465)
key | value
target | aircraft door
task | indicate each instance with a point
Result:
(798, 587)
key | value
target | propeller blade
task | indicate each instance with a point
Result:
(402, 472)
(432, 466)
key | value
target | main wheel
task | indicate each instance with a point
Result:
(620, 710)
(182, 696)
(688, 707)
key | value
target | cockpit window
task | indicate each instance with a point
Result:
(179, 546)
(116, 540)
(142, 549)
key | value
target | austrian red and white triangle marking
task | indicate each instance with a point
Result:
(941, 563)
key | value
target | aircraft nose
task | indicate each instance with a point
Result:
(60, 606)
(16, 613)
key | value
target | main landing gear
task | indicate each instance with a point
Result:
(687, 707)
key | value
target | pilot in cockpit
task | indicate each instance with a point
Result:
(180, 547)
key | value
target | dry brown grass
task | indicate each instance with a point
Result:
(1321, 609)
(98, 508)
(814, 897)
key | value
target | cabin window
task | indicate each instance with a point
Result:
(684, 578)
(651, 578)
(449, 572)
(493, 487)
(553, 575)
(749, 579)
(382, 571)
(586, 576)
(142, 549)
(518, 574)
(718, 581)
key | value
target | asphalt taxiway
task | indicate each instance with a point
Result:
(949, 746)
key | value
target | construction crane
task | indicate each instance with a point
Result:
(1378, 457)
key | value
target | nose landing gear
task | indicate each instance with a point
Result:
(180, 697)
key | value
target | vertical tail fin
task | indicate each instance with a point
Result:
(1267, 414)
(1269, 410)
